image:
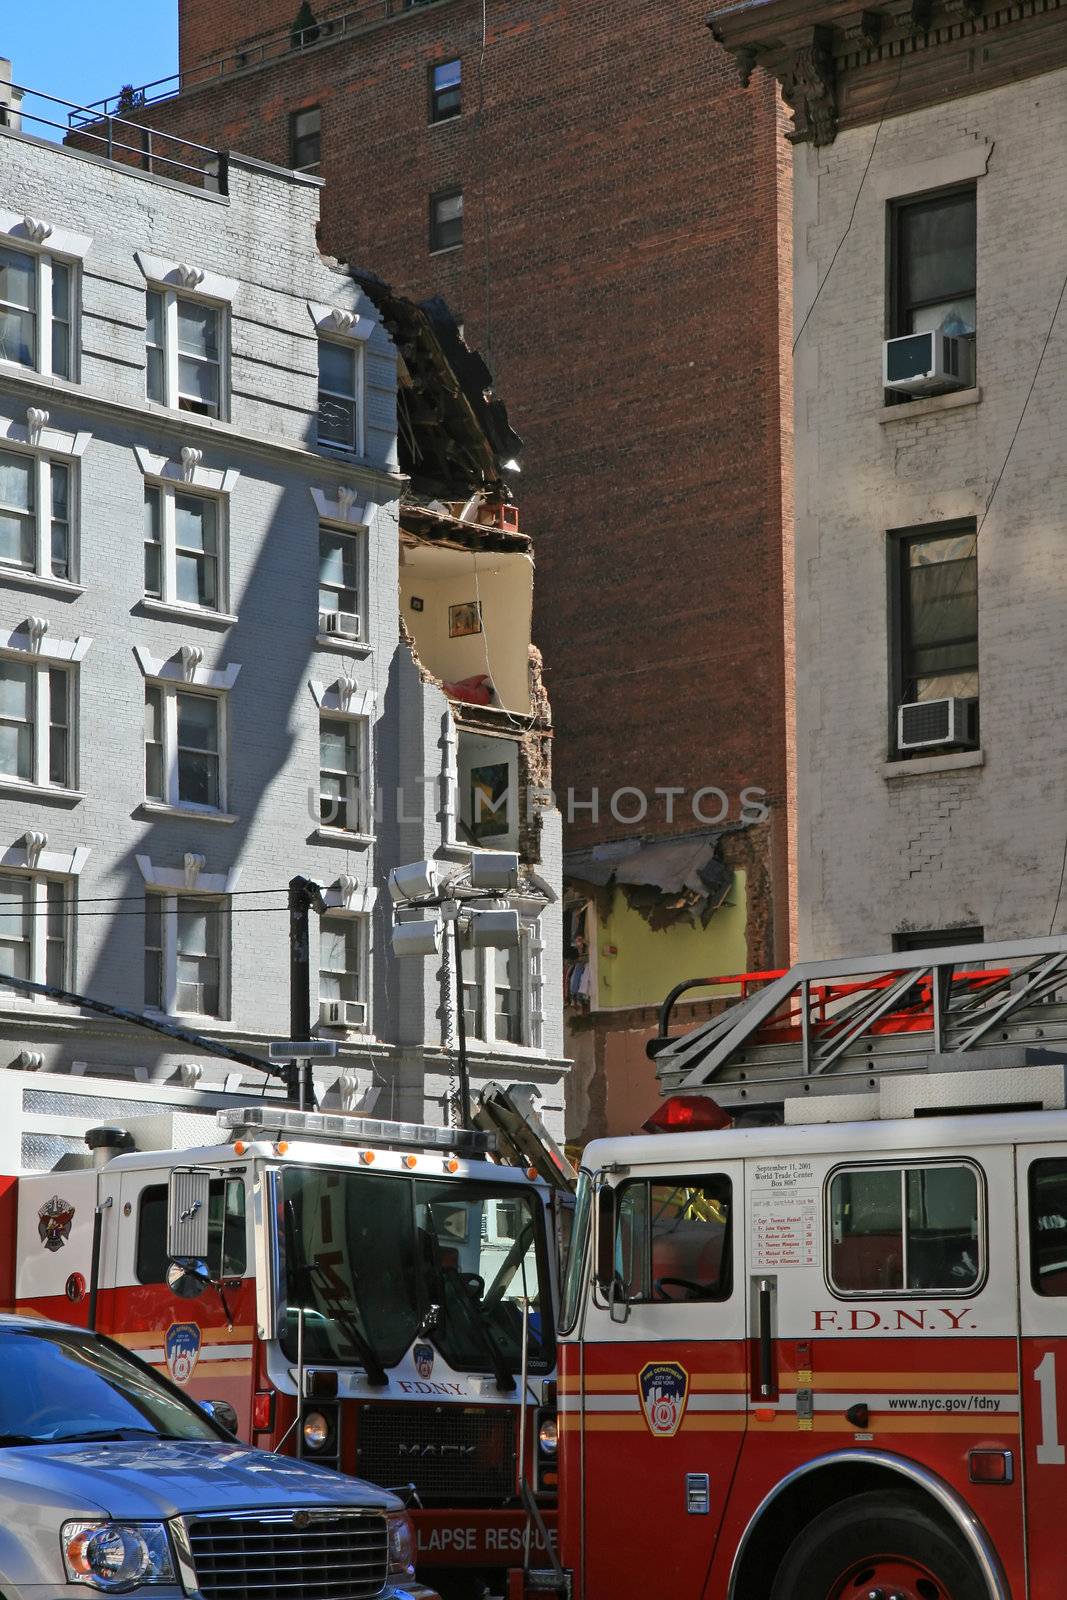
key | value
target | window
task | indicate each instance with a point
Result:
(340, 585)
(183, 547)
(341, 773)
(36, 723)
(183, 340)
(227, 1248)
(446, 220)
(911, 1230)
(36, 312)
(305, 139)
(672, 1239)
(502, 992)
(183, 748)
(35, 915)
(183, 954)
(933, 263)
(338, 405)
(445, 91)
(1048, 1226)
(342, 968)
(936, 581)
(35, 515)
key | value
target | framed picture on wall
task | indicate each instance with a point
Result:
(489, 801)
(464, 619)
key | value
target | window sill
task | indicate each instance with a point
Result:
(914, 409)
(339, 641)
(199, 1017)
(41, 791)
(921, 766)
(174, 608)
(455, 850)
(447, 249)
(157, 808)
(34, 580)
(343, 836)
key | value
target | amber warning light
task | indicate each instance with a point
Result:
(688, 1113)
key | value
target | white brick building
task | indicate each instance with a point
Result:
(928, 558)
(203, 690)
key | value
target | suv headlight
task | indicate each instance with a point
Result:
(401, 1545)
(117, 1555)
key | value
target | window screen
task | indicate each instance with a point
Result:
(905, 1230)
(1048, 1226)
(227, 1245)
(672, 1239)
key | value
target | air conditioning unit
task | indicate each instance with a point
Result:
(929, 724)
(343, 623)
(342, 1014)
(928, 363)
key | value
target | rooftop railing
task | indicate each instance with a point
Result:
(116, 137)
(256, 53)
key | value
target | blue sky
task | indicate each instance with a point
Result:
(84, 49)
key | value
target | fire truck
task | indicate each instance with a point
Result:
(376, 1296)
(814, 1321)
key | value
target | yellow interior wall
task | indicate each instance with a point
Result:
(650, 963)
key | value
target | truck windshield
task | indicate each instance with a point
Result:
(61, 1386)
(376, 1260)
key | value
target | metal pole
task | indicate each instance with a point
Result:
(461, 1032)
(299, 960)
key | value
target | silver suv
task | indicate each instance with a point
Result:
(111, 1479)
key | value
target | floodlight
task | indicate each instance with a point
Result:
(422, 938)
(493, 930)
(413, 882)
(494, 869)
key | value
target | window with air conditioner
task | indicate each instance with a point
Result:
(932, 293)
(343, 972)
(935, 640)
(341, 559)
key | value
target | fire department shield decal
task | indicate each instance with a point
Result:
(181, 1346)
(423, 1360)
(54, 1221)
(664, 1390)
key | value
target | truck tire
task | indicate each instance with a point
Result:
(877, 1544)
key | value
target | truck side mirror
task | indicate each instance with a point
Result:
(187, 1277)
(605, 1239)
(222, 1412)
(188, 1196)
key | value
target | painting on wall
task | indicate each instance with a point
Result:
(489, 801)
(464, 619)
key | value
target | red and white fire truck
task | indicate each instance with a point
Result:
(375, 1295)
(814, 1324)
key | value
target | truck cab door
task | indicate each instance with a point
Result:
(1042, 1191)
(662, 1392)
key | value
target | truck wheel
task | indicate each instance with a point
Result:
(877, 1547)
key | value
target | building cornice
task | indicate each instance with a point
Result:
(841, 65)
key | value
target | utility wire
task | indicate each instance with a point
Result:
(115, 899)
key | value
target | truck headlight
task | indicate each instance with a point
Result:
(316, 1430)
(117, 1555)
(401, 1545)
(548, 1435)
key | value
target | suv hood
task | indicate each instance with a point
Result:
(155, 1480)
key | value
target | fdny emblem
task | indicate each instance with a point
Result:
(182, 1348)
(54, 1222)
(424, 1360)
(664, 1390)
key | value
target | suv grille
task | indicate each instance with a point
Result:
(338, 1555)
(454, 1455)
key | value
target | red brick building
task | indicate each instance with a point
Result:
(624, 268)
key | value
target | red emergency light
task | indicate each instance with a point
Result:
(688, 1113)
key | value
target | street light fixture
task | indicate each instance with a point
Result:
(464, 907)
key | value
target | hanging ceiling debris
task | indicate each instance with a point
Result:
(455, 438)
(666, 880)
